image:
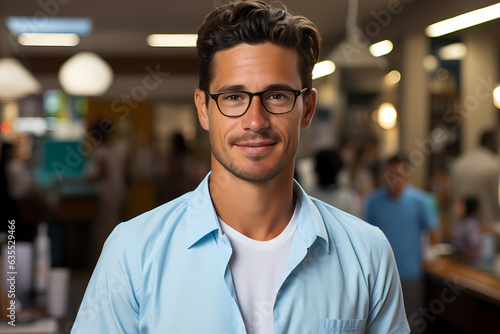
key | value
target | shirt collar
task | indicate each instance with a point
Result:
(201, 215)
(202, 218)
(310, 221)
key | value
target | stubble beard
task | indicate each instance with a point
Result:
(252, 175)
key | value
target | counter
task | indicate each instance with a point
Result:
(465, 295)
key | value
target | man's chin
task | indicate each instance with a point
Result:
(252, 168)
(254, 175)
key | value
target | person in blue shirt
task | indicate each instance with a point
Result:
(248, 251)
(405, 214)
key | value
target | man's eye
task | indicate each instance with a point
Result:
(278, 95)
(233, 97)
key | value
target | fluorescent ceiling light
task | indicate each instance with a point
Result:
(323, 68)
(30, 39)
(61, 25)
(455, 51)
(172, 40)
(463, 21)
(381, 48)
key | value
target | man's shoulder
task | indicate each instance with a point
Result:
(146, 229)
(159, 213)
(355, 239)
(379, 194)
(474, 158)
(418, 194)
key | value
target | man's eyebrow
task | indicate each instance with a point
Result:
(228, 88)
(279, 86)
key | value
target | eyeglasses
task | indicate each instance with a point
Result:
(275, 101)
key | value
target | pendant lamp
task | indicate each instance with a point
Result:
(16, 81)
(85, 74)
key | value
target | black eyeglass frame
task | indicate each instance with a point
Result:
(296, 93)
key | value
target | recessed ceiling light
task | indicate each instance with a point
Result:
(381, 48)
(393, 77)
(387, 116)
(172, 40)
(496, 97)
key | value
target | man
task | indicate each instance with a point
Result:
(248, 251)
(405, 214)
(475, 174)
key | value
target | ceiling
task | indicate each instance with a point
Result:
(121, 26)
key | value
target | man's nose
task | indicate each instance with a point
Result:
(256, 118)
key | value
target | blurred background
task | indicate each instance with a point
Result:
(98, 125)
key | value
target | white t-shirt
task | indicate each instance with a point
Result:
(257, 268)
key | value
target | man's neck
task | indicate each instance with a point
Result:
(259, 210)
(396, 194)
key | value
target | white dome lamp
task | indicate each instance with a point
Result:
(85, 74)
(16, 81)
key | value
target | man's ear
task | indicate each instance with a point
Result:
(309, 106)
(201, 108)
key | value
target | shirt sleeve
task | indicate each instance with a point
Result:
(110, 303)
(387, 312)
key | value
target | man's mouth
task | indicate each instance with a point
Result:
(256, 147)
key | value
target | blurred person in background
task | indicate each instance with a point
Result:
(330, 188)
(21, 184)
(9, 208)
(364, 169)
(16, 185)
(248, 251)
(109, 172)
(467, 234)
(403, 212)
(440, 188)
(476, 173)
(180, 172)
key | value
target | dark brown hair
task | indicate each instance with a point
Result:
(256, 22)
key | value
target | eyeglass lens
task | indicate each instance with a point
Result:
(276, 101)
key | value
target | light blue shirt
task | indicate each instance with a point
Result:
(167, 271)
(403, 220)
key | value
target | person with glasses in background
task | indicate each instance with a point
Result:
(248, 251)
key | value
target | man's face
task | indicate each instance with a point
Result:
(258, 145)
(396, 175)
